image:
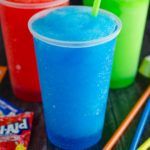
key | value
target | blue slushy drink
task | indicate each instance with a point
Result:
(74, 53)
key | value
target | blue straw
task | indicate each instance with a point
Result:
(140, 128)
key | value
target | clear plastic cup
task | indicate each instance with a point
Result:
(19, 46)
(74, 92)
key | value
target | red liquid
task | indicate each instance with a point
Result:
(20, 52)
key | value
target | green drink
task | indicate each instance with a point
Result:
(133, 15)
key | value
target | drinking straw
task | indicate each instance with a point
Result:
(118, 133)
(145, 145)
(96, 6)
(140, 128)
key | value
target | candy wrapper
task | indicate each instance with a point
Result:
(3, 70)
(15, 131)
(6, 108)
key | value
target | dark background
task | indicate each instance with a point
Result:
(119, 104)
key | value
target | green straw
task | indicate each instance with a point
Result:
(96, 6)
(145, 146)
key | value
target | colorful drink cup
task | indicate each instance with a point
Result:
(133, 15)
(19, 45)
(74, 58)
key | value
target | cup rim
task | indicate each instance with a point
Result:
(33, 5)
(74, 44)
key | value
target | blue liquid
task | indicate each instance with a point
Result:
(74, 81)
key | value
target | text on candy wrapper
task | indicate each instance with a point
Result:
(14, 128)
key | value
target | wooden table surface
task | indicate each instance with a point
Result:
(120, 103)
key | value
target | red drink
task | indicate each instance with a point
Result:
(19, 45)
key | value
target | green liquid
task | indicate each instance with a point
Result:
(133, 15)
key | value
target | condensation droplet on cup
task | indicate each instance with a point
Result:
(14, 40)
(98, 85)
(97, 112)
(85, 115)
(54, 106)
(18, 67)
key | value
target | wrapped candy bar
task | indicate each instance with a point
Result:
(6, 108)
